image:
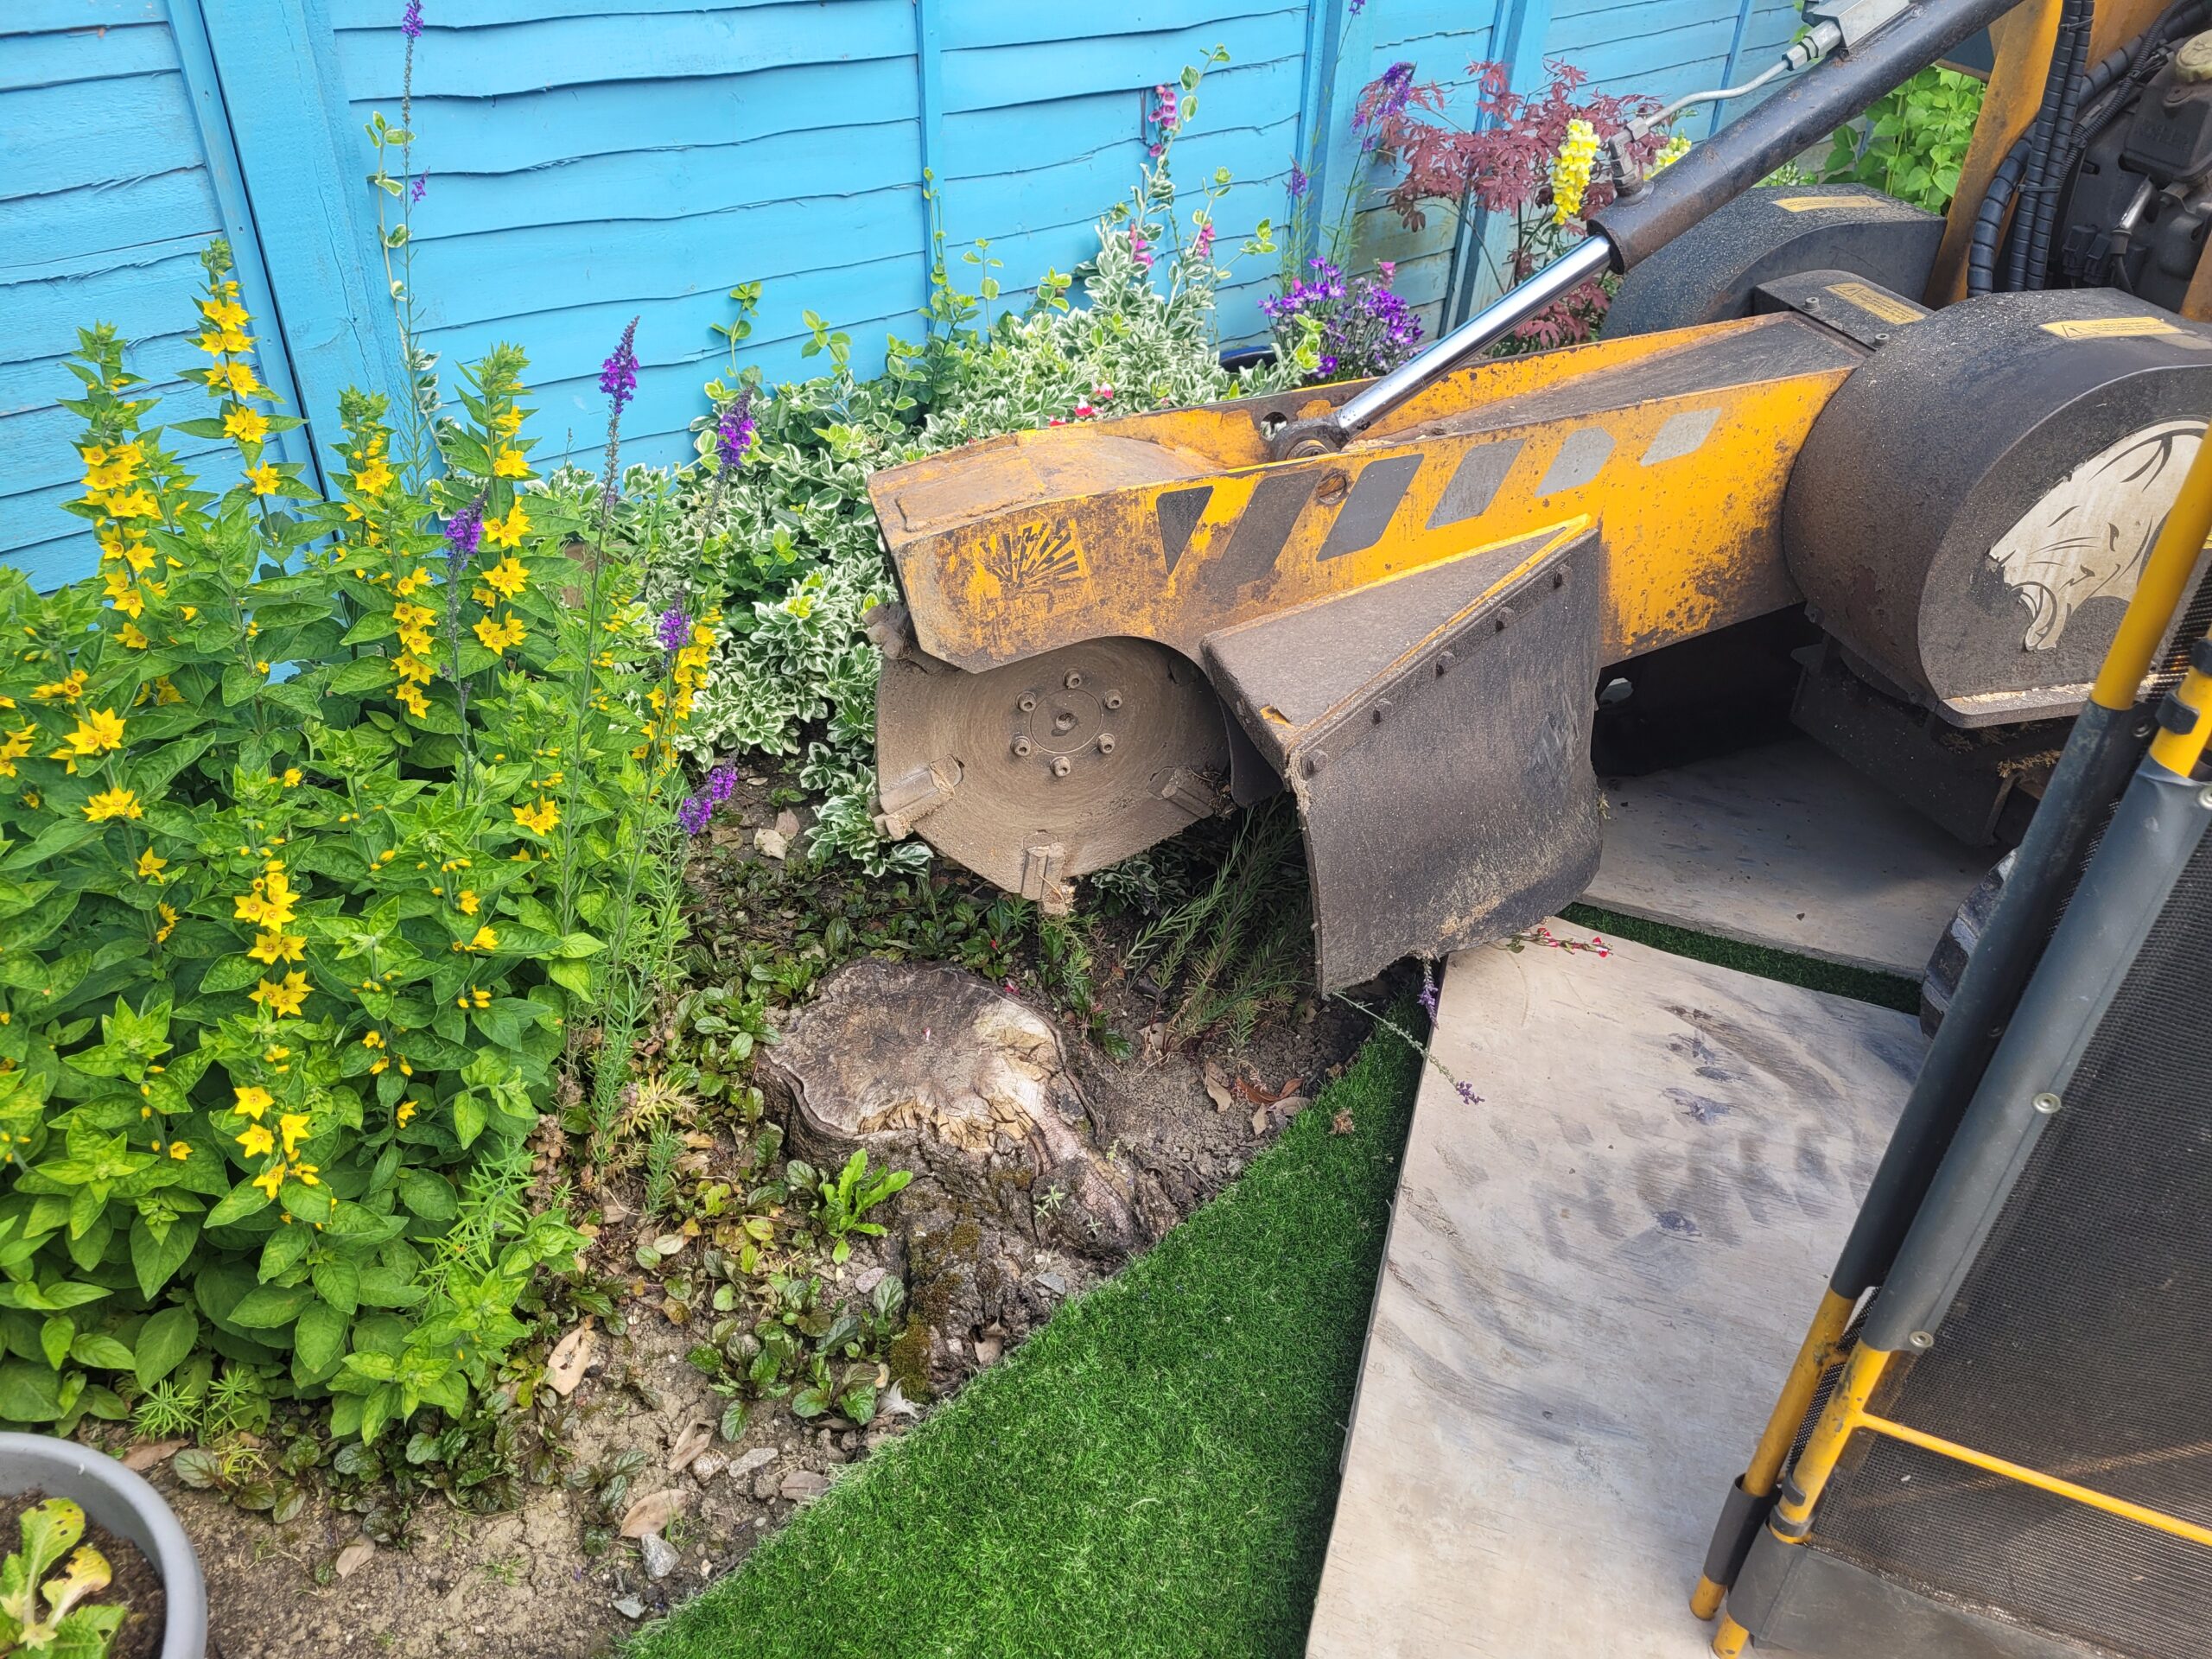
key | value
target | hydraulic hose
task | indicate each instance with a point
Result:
(2057, 169)
(2042, 138)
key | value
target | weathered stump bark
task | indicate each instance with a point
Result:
(932, 1069)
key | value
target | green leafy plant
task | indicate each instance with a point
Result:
(324, 825)
(46, 1614)
(1913, 141)
(847, 1196)
(790, 542)
(1240, 947)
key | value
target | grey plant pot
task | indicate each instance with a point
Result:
(126, 1506)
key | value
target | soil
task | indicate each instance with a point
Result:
(520, 1585)
(132, 1584)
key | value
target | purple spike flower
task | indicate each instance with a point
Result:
(420, 188)
(675, 629)
(733, 430)
(694, 813)
(464, 530)
(1428, 990)
(618, 375)
(410, 20)
(721, 784)
(1298, 181)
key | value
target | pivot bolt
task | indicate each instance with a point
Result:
(1062, 721)
(1112, 699)
(2045, 1103)
(1073, 680)
(1026, 701)
(1106, 742)
(1062, 766)
(1923, 1340)
(1021, 745)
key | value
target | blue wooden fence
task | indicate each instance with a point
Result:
(587, 161)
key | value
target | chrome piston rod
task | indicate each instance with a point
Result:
(1590, 258)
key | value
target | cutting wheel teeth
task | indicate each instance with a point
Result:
(1042, 771)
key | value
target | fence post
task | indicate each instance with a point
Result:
(1518, 28)
(276, 63)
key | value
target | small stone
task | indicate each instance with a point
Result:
(868, 1279)
(707, 1465)
(659, 1555)
(804, 1485)
(766, 1489)
(787, 824)
(629, 1606)
(773, 842)
(988, 1350)
(836, 1454)
(759, 1458)
(1053, 1282)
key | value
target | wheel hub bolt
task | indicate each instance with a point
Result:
(1062, 766)
(1026, 701)
(1073, 680)
(1021, 745)
(1106, 742)
(1112, 699)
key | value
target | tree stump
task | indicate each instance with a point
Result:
(930, 1068)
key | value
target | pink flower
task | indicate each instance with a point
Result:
(1388, 267)
(1203, 247)
(1103, 393)
(1140, 249)
(1084, 412)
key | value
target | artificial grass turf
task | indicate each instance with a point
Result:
(1153, 1474)
(1861, 984)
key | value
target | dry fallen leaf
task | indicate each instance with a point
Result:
(146, 1454)
(698, 1140)
(1216, 1085)
(1290, 1106)
(571, 1356)
(1341, 1124)
(689, 1445)
(1259, 1120)
(355, 1556)
(651, 1512)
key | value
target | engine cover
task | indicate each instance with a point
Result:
(1971, 508)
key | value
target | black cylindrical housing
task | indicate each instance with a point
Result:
(1806, 111)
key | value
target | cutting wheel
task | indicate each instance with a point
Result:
(1041, 770)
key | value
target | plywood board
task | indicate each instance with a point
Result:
(1785, 845)
(1595, 1280)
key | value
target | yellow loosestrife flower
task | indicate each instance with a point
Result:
(256, 1140)
(283, 1000)
(265, 479)
(96, 733)
(293, 1128)
(245, 425)
(168, 924)
(509, 531)
(273, 946)
(504, 634)
(150, 865)
(113, 804)
(251, 1100)
(508, 577)
(538, 819)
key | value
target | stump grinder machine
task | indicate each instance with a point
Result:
(1941, 448)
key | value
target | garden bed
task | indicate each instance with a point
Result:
(551, 1574)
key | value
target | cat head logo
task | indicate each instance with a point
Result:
(2090, 535)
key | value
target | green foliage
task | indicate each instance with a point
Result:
(846, 1197)
(1913, 141)
(783, 1335)
(1240, 947)
(791, 540)
(44, 1613)
(318, 828)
